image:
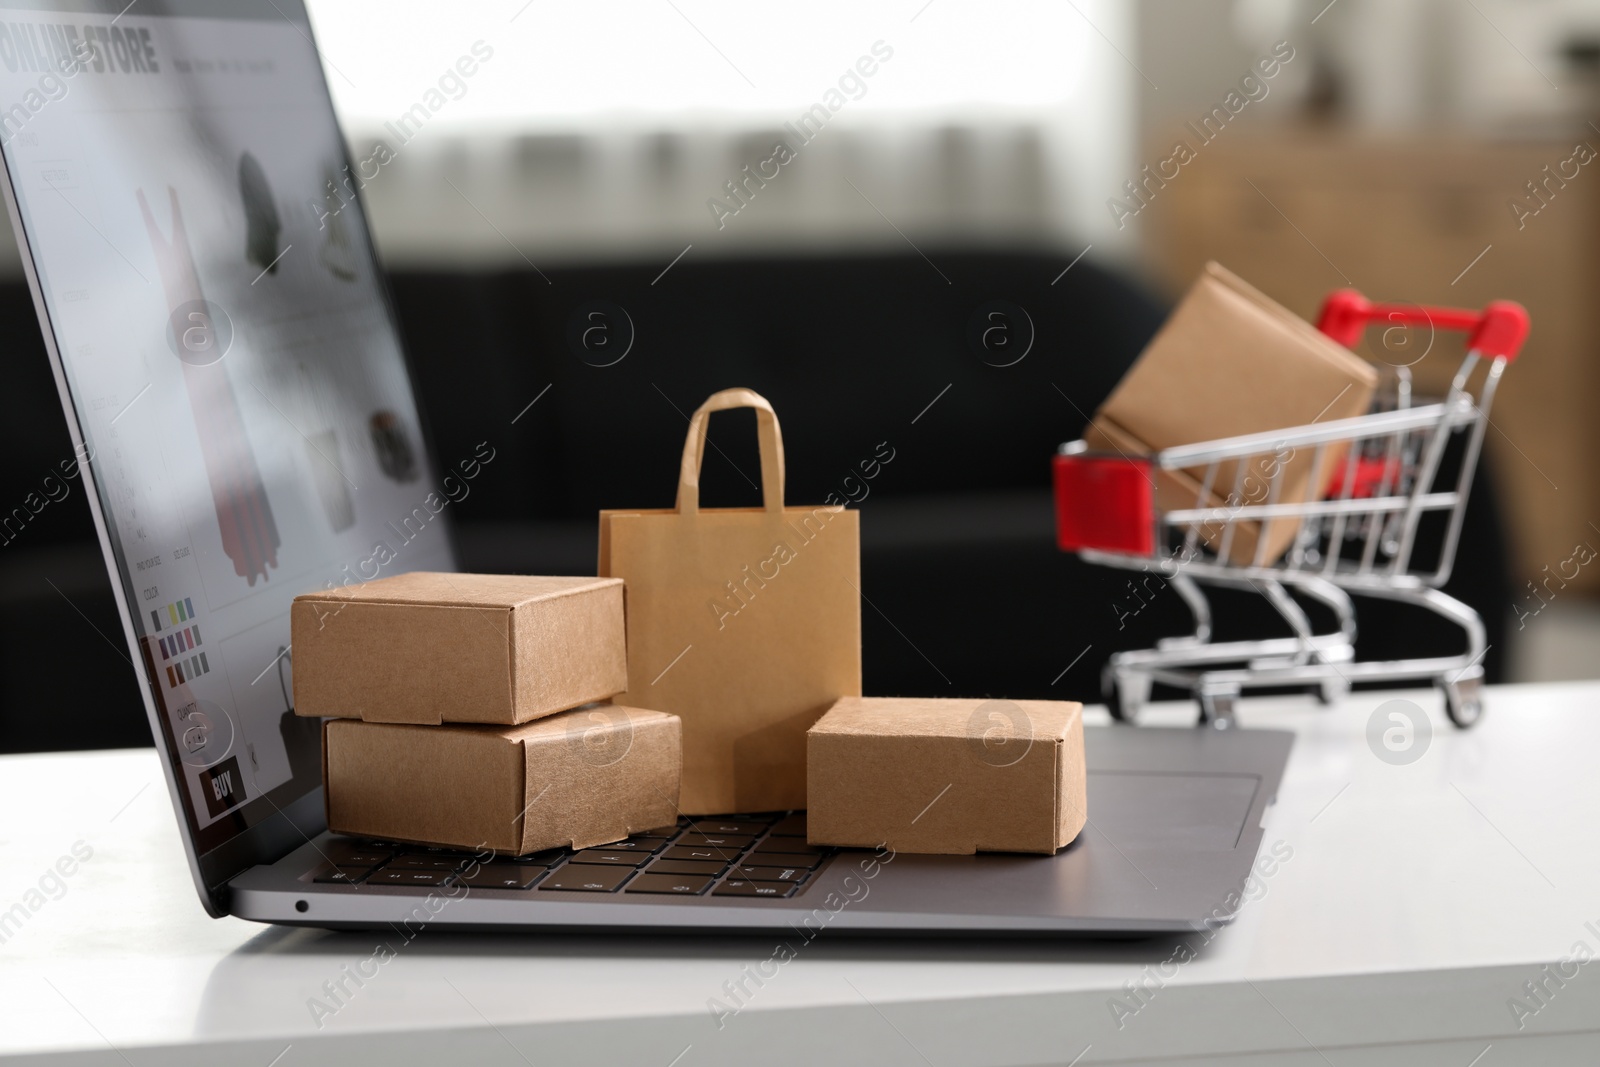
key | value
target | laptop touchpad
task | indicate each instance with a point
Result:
(1185, 812)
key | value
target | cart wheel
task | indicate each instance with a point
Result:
(1126, 693)
(1330, 691)
(1216, 708)
(1463, 702)
(1112, 692)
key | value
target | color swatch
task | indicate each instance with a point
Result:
(179, 646)
(187, 670)
(175, 614)
(184, 640)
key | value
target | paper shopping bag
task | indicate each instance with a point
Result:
(744, 622)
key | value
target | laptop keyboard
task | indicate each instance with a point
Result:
(732, 856)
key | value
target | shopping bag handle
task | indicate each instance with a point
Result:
(1498, 330)
(768, 436)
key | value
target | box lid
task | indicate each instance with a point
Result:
(941, 717)
(461, 590)
(431, 647)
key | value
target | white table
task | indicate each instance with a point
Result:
(1418, 901)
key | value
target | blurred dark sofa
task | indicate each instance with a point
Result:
(863, 357)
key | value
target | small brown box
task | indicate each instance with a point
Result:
(581, 778)
(946, 776)
(1231, 361)
(429, 648)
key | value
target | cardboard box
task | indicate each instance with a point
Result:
(1231, 361)
(581, 778)
(429, 648)
(947, 776)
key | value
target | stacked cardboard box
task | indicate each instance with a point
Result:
(468, 710)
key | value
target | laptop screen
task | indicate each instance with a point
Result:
(187, 210)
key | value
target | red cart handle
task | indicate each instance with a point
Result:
(1498, 330)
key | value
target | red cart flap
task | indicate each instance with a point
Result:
(1104, 502)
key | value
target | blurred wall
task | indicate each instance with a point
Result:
(1489, 67)
(602, 132)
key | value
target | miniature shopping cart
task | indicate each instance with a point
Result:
(1385, 490)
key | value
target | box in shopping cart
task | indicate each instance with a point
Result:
(1231, 361)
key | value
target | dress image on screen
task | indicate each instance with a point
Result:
(338, 253)
(261, 215)
(396, 456)
(316, 423)
(249, 536)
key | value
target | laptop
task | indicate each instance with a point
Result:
(228, 361)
